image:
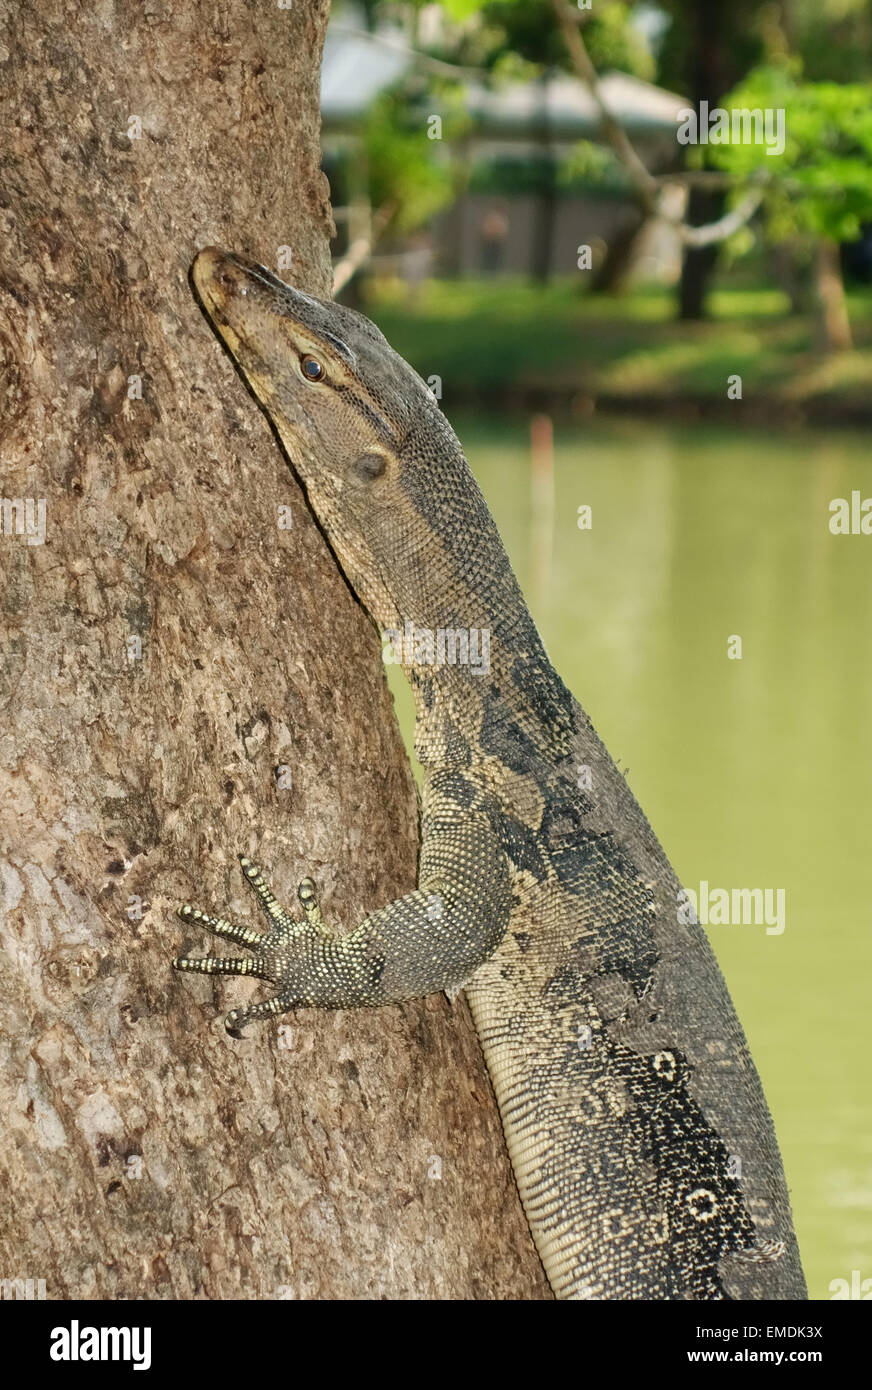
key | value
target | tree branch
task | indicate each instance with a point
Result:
(423, 60)
(644, 183)
(724, 226)
(648, 188)
(361, 248)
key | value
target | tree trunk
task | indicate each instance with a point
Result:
(545, 209)
(165, 650)
(611, 277)
(720, 44)
(833, 324)
(698, 262)
(792, 275)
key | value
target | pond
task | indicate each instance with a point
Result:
(754, 769)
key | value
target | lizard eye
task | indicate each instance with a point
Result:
(311, 368)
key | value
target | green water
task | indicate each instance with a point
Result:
(755, 773)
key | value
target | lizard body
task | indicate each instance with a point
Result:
(640, 1138)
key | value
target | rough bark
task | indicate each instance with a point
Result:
(151, 1155)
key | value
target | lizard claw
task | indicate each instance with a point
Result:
(236, 1020)
(308, 896)
(273, 958)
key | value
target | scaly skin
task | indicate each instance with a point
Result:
(640, 1138)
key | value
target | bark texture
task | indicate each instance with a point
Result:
(164, 650)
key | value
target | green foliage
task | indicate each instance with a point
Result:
(507, 335)
(613, 43)
(529, 30)
(515, 40)
(822, 183)
(512, 175)
(588, 170)
(833, 38)
(406, 169)
(593, 166)
(462, 9)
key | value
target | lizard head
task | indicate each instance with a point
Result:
(341, 400)
(384, 474)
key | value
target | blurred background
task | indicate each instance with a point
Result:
(654, 336)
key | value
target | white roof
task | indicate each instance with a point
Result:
(355, 69)
(565, 107)
(357, 66)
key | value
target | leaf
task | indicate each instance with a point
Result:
(462, 9)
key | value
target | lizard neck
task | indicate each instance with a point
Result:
(431, 569)
(480, 675)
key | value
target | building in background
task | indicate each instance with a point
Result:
(522, 209)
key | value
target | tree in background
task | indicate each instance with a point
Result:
(525, 39)
(548, 33)
(407, 177)
(821, 192)
(833, 38)
(397, 178)
(706, 50)
(734, 53)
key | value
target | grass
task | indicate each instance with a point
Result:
(507, 336)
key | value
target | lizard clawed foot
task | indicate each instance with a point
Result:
(267, 1008)
(274, 946)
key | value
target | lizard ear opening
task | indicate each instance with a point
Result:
(369, 467)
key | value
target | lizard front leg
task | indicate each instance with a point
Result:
(434, 938)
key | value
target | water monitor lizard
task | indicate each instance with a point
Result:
(640, 1138)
